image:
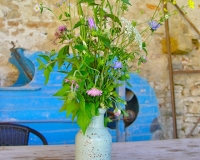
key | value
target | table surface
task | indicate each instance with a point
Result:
(176, 149)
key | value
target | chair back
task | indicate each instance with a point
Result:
(17, 135)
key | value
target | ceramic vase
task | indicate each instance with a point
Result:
(97, 141)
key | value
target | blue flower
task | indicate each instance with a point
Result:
(117, 65)
(154, 25)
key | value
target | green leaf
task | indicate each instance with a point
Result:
(126, 1)
(52, 53)
(63, 52)
(83, 120)
(63, 108)
(47, 74)
(106, 121)
(67, 14)
(124, 113)
(128, 84)
(41, 8)
(80, 47)
(74, 112)
(105, 40)
(41, 64)
(114, 18)
(144, 47)
(78, 24)
(81, 101)
(62, 55)
(63, 90)
(60, 17)
(110, 88)
(47, 58)
(90, 109)
(70, 106)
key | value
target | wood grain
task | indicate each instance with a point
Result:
(180, 149)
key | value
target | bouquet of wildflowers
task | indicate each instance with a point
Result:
(95, 55)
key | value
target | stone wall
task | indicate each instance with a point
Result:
(20, 24)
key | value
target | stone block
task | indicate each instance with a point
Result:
(195, 92)
(191, 119)
(178, 89)
(3, 60)
(13, 23)
(180, 44)
(181, 134)
(194, 108)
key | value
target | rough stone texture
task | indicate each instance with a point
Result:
(9, 73)
(27, 29)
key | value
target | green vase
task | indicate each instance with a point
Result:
(96, 143)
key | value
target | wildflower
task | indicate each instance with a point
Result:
(117, 112)
(153, 25)
(76, 86)
(37, 8)
(73, 81)
(91, 23)
(191, 3)
(67, 80)
(62, 28)
(131, 31)
(117, 65)
(94, 92)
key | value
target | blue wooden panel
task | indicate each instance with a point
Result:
(34, 105)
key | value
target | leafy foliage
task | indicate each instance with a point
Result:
(99, 61)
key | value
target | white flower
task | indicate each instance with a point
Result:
(131, 31)
(37, 8)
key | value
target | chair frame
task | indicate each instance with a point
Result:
(26, 130)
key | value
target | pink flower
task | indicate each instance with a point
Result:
(67, 80)
(94, 92)
(76, 86)
(62, 28)
(117, 112)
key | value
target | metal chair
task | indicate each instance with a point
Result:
(17, 135)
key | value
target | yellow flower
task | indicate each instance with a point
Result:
(191, 3)
(174, 1)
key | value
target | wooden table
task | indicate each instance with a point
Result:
(181, 149)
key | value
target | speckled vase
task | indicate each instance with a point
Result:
(97, 141)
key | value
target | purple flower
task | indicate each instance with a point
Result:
(67, 80)
(76, 86)
(62, 28)
(153, 25)
(94, 92)
(117, 65)
(117, 112)
(91, 23)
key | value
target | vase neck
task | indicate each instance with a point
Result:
(98, 121)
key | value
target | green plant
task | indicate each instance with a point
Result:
(94, 56)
